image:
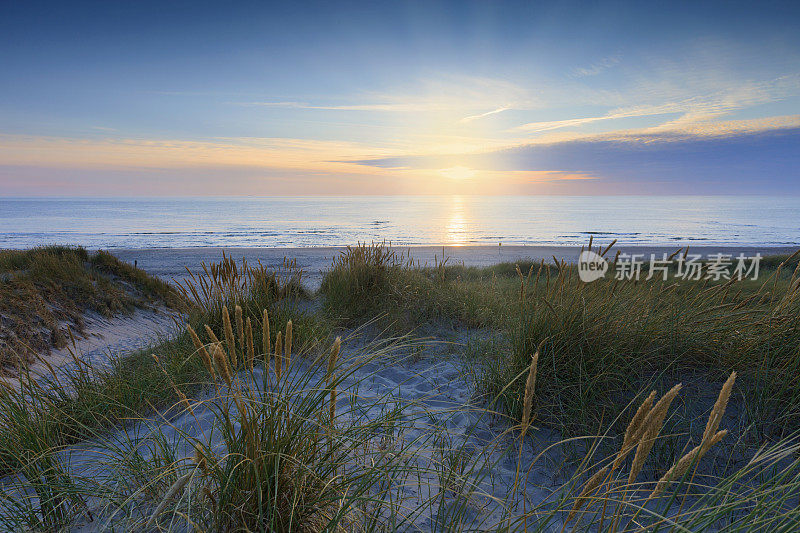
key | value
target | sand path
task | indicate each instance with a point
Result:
(440, 423)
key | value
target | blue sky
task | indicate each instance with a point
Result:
(197, 98)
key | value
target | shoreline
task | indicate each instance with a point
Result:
(171, 263)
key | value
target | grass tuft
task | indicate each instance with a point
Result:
(47, 292)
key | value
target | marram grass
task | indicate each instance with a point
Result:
(267, 444)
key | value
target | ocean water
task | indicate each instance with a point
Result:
(403, 220)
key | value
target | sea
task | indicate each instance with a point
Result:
(269, 222)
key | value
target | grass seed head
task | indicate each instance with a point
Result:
(530, 386)
(210, 332)
(251, 354)
(230, 341)
(201, 349)
(288, 343)
(221, 361)
(173, 490)
(591, 484)
(680, 468)
(265, 335)
(632, 432)
(651, 427)
(183, 399)
(333, 357)
(720, 405)
(200, 460)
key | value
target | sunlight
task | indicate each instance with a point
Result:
(457, 226)
(458, 173)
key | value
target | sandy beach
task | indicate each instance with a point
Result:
(417, 267)
(462, 457)
(171, 263)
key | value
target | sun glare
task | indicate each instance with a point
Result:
(458, 173)
(457, 225)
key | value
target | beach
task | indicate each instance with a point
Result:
(402, 266)
(171, 263)
(423, 360)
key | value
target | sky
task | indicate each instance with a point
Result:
(296, 98)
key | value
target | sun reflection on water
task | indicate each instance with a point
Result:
(457, 225)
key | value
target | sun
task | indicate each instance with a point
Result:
(458, 173)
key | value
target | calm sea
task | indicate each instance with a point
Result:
(404, 220)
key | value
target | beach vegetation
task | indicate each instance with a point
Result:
(260, 410)
(46, 294)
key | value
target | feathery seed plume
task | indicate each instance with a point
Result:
(720, 405)
(332, 358)
(632, 432)
(200, 460)
(173, 490)
(331, 367)
(288, 343)
(679, 469)
(251, 354)
(591, 484)
(221, 361)
(651, 427)
(530, 385)
(210, 332)
(183, 399)
(230, 342)
(201, 349)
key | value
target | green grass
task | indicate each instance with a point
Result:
(46, 290)
(84, 401)
(367, 282)
(288, 463)
(601, 342)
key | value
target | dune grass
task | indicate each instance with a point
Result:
(80, 401)
(256, 422)
(369, 281)
(600, 342)
(45, 291)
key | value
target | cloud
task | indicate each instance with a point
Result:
(115, 153)
(463, 94)
(596, 68)
(388, 107)
(487, 114)
(749, 156)
(694, 110)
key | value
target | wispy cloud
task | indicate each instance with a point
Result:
(694, 110)
(631, 112)
(389, 107)
(596, 68)
(483, 115)
(464, 94)
(756, 156)
(276, 153)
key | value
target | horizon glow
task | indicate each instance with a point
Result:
(186, 99)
